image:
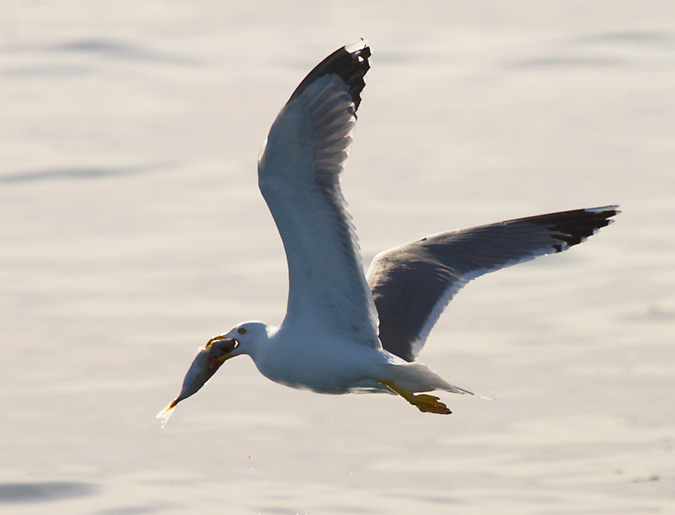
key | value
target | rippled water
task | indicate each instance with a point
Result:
(132, 231)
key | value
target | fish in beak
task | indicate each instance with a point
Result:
(206, 363)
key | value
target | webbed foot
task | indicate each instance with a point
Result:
(423, 402)
(429, 404)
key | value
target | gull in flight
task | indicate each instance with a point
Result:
(345, 331)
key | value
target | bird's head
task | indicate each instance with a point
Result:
(240, 340)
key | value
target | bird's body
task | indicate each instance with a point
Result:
(345, 331)
(333, 365)
(330, 365)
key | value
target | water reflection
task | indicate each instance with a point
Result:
(44, 492)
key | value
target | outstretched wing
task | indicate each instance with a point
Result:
(412, 284)
(299, 176)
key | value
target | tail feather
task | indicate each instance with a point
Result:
(417, 377)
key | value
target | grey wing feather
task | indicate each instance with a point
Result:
(412, 284)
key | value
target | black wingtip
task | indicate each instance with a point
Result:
(350, 63)
(573, 227)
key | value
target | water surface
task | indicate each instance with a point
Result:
(132, 231)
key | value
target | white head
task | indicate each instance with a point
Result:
(245, 338)
(251, 337)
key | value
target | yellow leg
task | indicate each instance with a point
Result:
(423, 402)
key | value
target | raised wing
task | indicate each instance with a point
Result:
(412, 284)
(299, 176)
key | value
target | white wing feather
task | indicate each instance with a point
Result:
(298, 172)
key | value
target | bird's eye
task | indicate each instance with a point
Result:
(241, 330)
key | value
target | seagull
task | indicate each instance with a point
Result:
(345, 331)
